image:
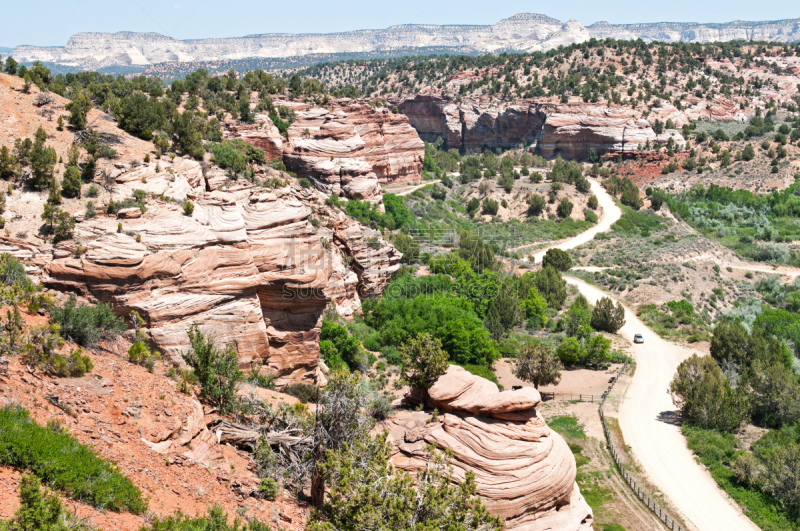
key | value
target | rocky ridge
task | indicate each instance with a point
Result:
(525, 473)
(523, 32)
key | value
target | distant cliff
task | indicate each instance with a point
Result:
(524, 32)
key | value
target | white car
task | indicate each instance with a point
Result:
(638, 338)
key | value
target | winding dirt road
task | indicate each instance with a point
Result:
(609, 215)
(648, 419)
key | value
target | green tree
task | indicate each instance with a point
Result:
(557, 259)
(42, 160)
(533, 304)
(631, 198)
(217, 372)
(187, 134)
(606, 317)
(701, 391)
(11, 66)
(64, 225)
(504, 311)
(422, 361)
(8, 164)
(537, 363)
(72, 182)
(776, 393)
(552, 287)
(570, 352)
(406, 245)
(781, 476)
(54, 196)
(78, 108)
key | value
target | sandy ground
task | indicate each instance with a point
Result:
(609, 215)
(574, 382)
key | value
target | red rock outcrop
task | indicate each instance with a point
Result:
(262, 134)
(347, 149)
(353, 147)
(248, 266)
(571, 130)
(525, 473)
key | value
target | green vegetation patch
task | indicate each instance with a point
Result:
(717, 452)
(62, 463)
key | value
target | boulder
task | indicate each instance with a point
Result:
(524, 472)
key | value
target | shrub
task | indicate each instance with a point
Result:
(92, 191)
(305, 393)
(305, 183)
(564, 208)
(590, 216)
(557, 259)
(86, 325)
(188, 208)
(606, 317)
(366, 491)
(216, 520)
(772, 252)
(62, 463)
(268, 488)
(217, 372)
(12, 273)
(593, 202)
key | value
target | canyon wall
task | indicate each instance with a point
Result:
(569, 130)
(248, 265)
(523, 32)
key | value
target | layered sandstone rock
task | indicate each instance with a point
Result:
(247, 266)
(525, 473)
(569, 130)
(574, 130)
(262, 134)
(348, 149)
(352, 148)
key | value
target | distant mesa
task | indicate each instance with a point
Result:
(520, 33)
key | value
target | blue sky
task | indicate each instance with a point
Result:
(51, 22)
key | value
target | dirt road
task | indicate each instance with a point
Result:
(609, 215)
(649, 423)
(648, 419)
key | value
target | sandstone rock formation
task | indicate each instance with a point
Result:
(247, 265)
(525, 473)
(347, 150)
(523, 32)
(262, 134)
(571, 130)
